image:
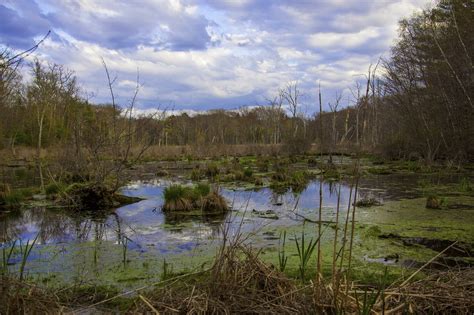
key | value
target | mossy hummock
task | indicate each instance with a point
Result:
(199, 197)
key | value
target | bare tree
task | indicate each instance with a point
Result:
(334, 108)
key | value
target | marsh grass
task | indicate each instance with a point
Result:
(25, 252)
(282, 257)
(198, 197)
(124, 250)
(7, 252)
(305, 251)
(14, 197)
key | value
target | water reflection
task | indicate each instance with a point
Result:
(148, 227)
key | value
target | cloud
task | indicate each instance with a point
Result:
(18, 28)
(163, 24)
(207, 54)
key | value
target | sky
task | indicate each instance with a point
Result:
(208, 54)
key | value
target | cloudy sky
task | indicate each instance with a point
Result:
(206, 54)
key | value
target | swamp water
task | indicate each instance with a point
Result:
(138, 243)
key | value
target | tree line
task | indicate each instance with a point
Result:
(418, 102)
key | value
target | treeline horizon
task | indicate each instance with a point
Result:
(417, 103)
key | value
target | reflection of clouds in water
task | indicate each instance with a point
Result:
(139, 208)
(143, 222)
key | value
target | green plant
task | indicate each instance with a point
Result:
(96, 252)
(202, 189)
(6, 255)
(369, 299)
(166, 270)
(299, 178)
(177, 198)
(282, 258)
(304, 253)
(10, 197)
(124, 250)
(25, 253)
(196, 174)
(184, 198)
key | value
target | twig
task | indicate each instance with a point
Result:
(149, 304)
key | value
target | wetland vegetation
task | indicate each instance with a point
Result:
(365, 209)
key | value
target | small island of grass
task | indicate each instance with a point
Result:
(179, 198)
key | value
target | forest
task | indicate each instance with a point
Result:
(360, 204)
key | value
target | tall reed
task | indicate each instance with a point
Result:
(25, 253)
(6, 255)
(282, 258)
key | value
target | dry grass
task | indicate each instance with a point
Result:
(239, 282)
(19, 297)
(447, 292)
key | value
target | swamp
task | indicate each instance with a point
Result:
(337, 192)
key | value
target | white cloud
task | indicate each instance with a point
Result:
(212, 53)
